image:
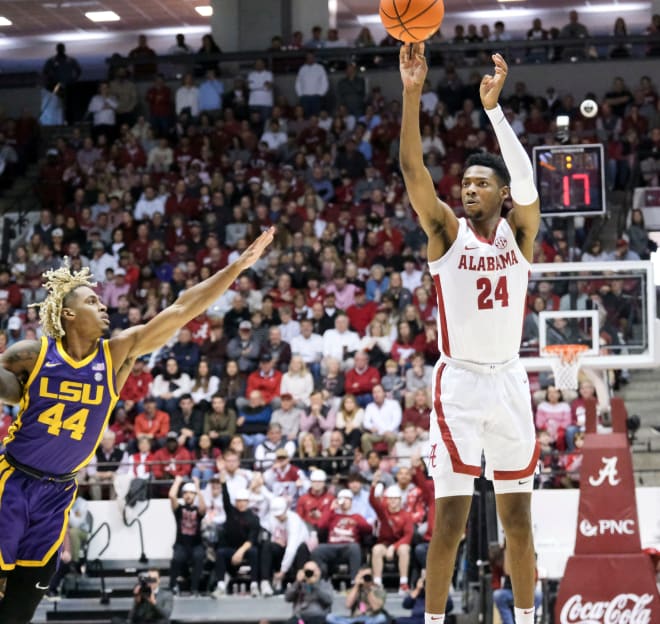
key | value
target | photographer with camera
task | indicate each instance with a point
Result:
(150, 602)
(311, 596)
(365, 600)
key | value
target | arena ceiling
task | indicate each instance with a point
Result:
(32, 17)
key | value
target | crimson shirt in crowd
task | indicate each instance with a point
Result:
(394, 528)
(311, 506)
(344, 528)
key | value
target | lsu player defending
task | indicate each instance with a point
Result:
(67, 385)
(481, 399)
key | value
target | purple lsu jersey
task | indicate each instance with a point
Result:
(64, 410)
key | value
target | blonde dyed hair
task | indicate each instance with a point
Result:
(58, 284)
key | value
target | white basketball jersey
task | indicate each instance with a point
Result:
(482, 289)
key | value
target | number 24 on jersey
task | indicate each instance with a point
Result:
(491, 292)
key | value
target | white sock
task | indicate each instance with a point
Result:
(434, 618)
(524, 616)
(403, 580)
(378, 580)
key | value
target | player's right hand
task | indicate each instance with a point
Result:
(413, 67)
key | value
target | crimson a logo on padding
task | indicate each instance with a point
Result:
(500, 242)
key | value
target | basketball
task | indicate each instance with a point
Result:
(411, 21)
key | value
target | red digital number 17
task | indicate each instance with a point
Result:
(488, 295)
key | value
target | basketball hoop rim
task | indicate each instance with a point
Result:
(567, 352)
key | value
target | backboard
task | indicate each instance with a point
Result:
(608, 306)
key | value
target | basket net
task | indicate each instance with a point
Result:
(565, 362)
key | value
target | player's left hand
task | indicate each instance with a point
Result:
(254, 251)
(491, 85)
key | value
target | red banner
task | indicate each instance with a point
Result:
(608, 580)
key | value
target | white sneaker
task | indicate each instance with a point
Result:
(219, 591)
(266, 589)
(254, 589)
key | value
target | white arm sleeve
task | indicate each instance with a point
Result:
(523, 189)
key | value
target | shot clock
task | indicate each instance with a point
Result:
(570, 179)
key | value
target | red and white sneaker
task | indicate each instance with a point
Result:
(404, 588)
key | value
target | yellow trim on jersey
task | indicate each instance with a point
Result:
(109, 369)
(113, 402)
(70, 361)
(51, 551)
(7, 471)
(25, 399)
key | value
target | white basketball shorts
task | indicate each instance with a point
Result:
(481, 407)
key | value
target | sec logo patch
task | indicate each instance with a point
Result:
(500, 242)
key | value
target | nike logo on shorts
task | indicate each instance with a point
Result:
(39, 586)
(523, 482)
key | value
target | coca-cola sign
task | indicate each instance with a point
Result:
(622, 609)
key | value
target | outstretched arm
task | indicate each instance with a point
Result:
(436, 217)
(143, 339)
(525, 217)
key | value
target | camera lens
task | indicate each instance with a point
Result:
(309, 573)
(368, 578)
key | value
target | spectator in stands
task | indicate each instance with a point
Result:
(137, 386)
(349, 420)
(361, 312)
(288, 416)
(553, 415)
(298, 382)
(204, 456)
(340, 343)
(638, 235)
(267, 380)
(315, 501)
(265, 451)
(346, 531)
(253, 419)
(171, 385)
(260, 84)
(63, 70)
(278, 349)
(188, 548)
(375, 465)
(574, 30)
(140, 464)
(187, 421)
(237, 477)
(244, 347)
(311, 85)
(210, 93)
(125, 93)
(352, 91)
(286, 551)
(395, 535)
(232, 383)
(419, 414)
(205, 384)
(172, 460)
(282, 478)
(382, 418)
(220, 422)
(361, 379)
(360, 504)
(186, 352)
(152, 423)
(418, 377)
(392, 381)
(311, 596)
(143, 57)
(205, 54)
(161, 106)
(409, 445)
(187, 97)
(109, 460)
(241, 535)
(537, 33)
(365, 600)
(149, 204)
